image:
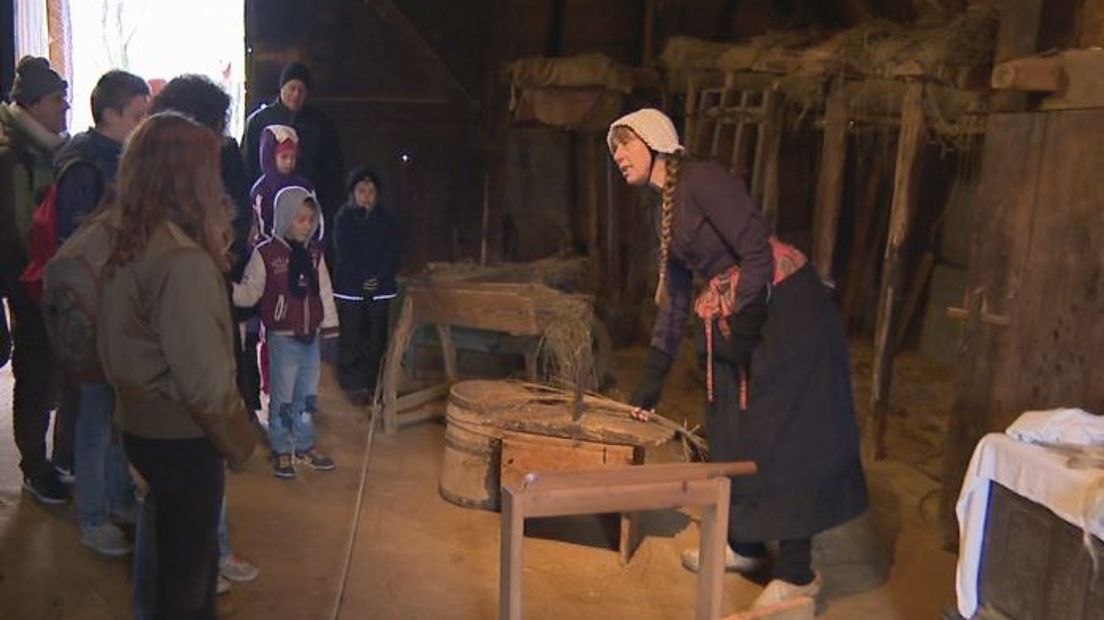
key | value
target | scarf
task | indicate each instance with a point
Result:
(302, 277)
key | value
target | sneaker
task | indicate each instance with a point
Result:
(106, 539)
(64, 474)
(222, 586)
(317, 460)
(778, 591)
(282, 467)
(47, 488)
(126, 515)
(734, 562)
(236, 569)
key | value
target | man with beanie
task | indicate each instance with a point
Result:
(320, 158)
(31, 131)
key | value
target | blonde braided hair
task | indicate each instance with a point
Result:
(667, 216)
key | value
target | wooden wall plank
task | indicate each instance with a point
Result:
(910, 147)
(1006, 206)
(833, 161)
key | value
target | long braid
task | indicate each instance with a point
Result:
(667, 216)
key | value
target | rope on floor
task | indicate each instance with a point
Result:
(354, 528)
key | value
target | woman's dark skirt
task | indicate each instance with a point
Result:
(800, 426)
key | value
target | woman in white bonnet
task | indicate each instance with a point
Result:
(770, 339)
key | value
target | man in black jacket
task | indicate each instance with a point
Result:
(320, 156)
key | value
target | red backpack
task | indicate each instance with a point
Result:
(43, 238)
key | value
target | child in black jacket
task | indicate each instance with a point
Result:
(367, 248)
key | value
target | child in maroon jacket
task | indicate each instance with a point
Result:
(287, 274)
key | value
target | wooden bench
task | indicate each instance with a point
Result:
(623, 489)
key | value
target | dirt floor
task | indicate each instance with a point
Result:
(417, 556)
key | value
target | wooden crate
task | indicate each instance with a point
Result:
(523, 453)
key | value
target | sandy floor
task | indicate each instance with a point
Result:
(418, 556)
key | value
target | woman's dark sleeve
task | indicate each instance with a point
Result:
(725, 202)
(670, 322)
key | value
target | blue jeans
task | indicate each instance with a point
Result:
(103, 479)
(294, 368)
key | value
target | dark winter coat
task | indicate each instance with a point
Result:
(367, 244)
(85, 169)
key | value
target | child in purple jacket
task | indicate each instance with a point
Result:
(279, 157)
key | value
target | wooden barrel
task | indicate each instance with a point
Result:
(480, 412)
(470, 471)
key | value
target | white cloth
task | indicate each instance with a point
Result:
(1034, 472)
(1068, 426)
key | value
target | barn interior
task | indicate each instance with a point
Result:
(934, 160)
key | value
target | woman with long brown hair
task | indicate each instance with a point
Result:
(778, 381)
(166, 346)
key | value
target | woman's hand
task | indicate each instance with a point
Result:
(641, 414)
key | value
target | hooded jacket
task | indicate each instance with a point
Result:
(272, 180)
(266, 276)
(320, 155)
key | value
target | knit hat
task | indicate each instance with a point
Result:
(358, 174)
(295, 71)
(34, 79)
(651, 126)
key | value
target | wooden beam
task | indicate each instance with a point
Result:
(438, 70)
(1081, 86)
(833, 160)
(910, 148)
(665, 472)
(1038, 74)
(1017, 36)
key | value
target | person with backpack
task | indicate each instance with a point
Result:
(32, 129)
(165, 344)
(85, 170)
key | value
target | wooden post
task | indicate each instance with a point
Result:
(740, 138)
(910, 147)
(1017, 36)
(690, 127)
(512, 560)
(448, 351)
(833, 160)
(764, 183)
(613, 236)
(592, 161)
(392, 369)
(1092, 24)
(726, 101)
(711, 552)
